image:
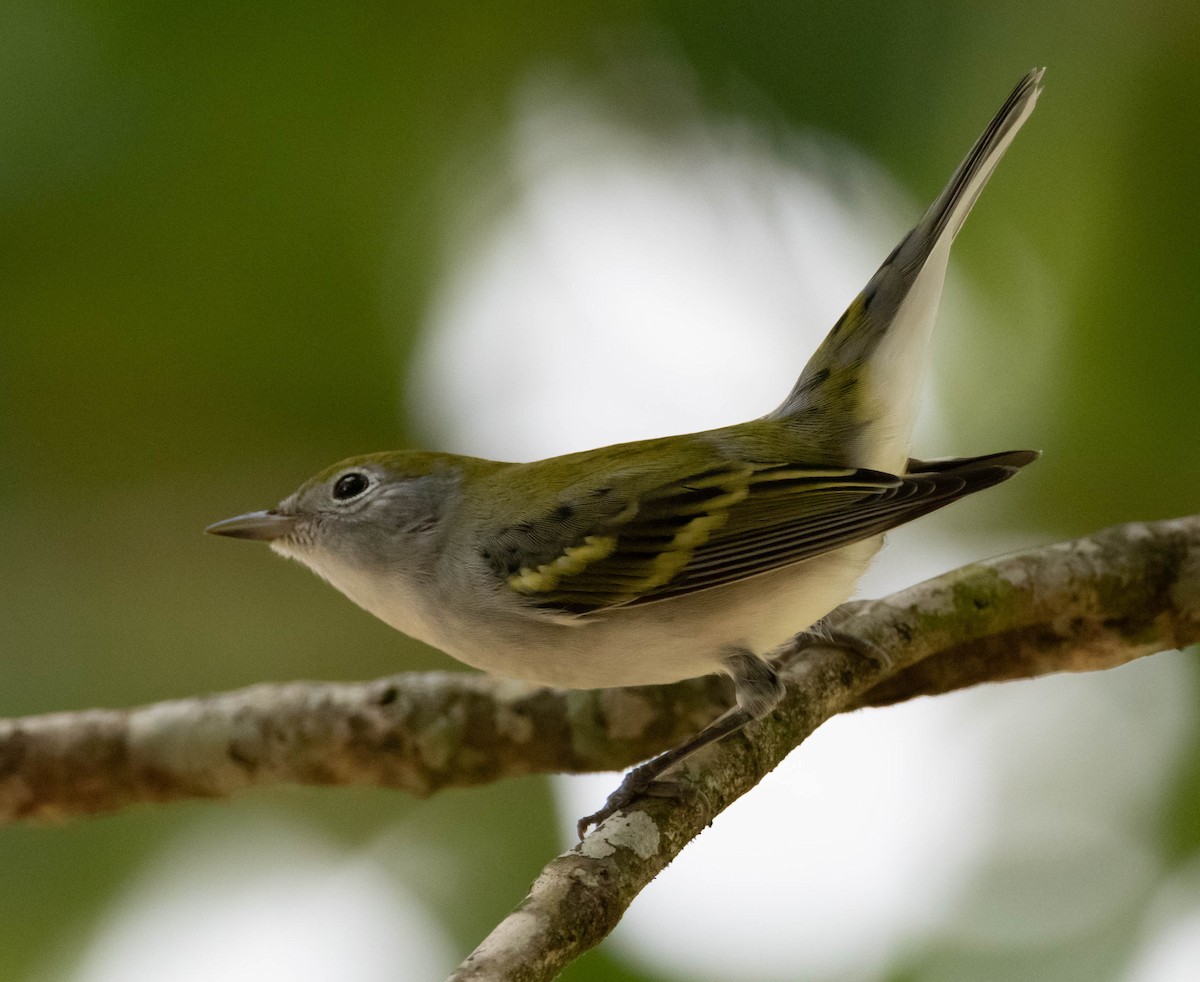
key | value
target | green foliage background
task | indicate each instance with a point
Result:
(203, 205)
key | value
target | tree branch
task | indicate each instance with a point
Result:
(417, 732)
(1089, 604)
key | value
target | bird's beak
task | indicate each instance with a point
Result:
(263, 526)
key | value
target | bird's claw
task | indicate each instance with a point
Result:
(821, 636)
(636, 785)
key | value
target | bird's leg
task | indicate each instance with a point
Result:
(758, 690)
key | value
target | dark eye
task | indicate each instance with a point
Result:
(350, 486)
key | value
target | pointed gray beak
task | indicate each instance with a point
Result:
(263, 526)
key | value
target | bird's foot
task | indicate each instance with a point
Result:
(820, 636)
(640, 782)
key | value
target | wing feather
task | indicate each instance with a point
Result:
(727, 524)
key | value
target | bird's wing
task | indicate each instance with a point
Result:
(717, 526)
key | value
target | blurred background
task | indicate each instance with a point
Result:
(240, 242)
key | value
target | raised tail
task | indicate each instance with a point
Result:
(857, 396)
(950, 209)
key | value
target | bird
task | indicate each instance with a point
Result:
(665, 559)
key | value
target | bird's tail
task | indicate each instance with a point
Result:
(859, 391)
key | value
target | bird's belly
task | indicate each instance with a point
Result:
(660, 642)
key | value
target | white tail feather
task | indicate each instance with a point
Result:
(879, 344)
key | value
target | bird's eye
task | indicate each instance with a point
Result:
(350, 486)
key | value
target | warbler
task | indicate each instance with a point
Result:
(664, 559)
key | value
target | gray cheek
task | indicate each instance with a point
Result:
(377, 548)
